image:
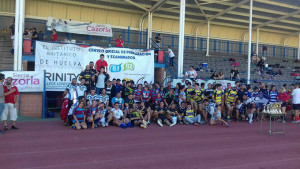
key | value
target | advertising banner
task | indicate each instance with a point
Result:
(26, 81)
(79, 27)
(63, 62)
(222, 82)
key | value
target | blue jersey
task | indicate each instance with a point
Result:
(211, 108)
(118, 100)
(273, 96)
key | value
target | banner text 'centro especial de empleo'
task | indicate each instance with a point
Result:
(63, 62)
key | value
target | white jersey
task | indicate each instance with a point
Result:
(117, 113)
(81, 90)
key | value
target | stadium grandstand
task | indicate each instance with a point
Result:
(222, 75)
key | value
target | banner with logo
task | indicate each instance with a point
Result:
(26, 81)
(63, 62)
(61, 25)
(211, 81)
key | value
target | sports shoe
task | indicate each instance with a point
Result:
(250, 121)
(160, 123)
(279, 120)
(228, 125)
(148, 122)
(1, 132)
(143, 126)
(65, 124)
(173, 124)
(14, 127)
(5, 128)
(144, 123)
(123, 126)
(129, 125)
(196, 124)
(106, 124)
(298, 121)
(103, 124)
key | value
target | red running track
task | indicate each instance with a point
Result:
(51, 145)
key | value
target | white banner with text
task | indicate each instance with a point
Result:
(63, 62)
(68, 26)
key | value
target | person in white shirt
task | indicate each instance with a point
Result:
(192, 74)
(171, 56)
(296, 102)
(118, 117)
(81, 90)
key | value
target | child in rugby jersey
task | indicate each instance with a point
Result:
(215, 111)
(191, 117)
(104, 98)
(160, 114)
(157, 101)
(92, 96)
(146, 97)
(138, 94)
(79, 117)
(103, 114)
(92, 115)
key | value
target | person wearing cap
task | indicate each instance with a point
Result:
(101, 63)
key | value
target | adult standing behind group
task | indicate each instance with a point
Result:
(101, 63)
(100, 80)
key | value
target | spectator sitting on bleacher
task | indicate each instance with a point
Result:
(221, 75)
(254, 57)
(261, 65)
(234, 74)
(192, 74)
(214, 76)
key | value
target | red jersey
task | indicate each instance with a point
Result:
(100, 64)
(11, 97)
(284, 97)
(119, 43)
(54, 37)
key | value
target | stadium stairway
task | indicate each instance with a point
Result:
(6, 59)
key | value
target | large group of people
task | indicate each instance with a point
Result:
(99, 101)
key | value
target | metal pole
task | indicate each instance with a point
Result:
(149, 29)
(249, 42)
(299, 47)
(181, 38)
(257, 41)
(207, 41)
(20, 36)
(15, 41)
